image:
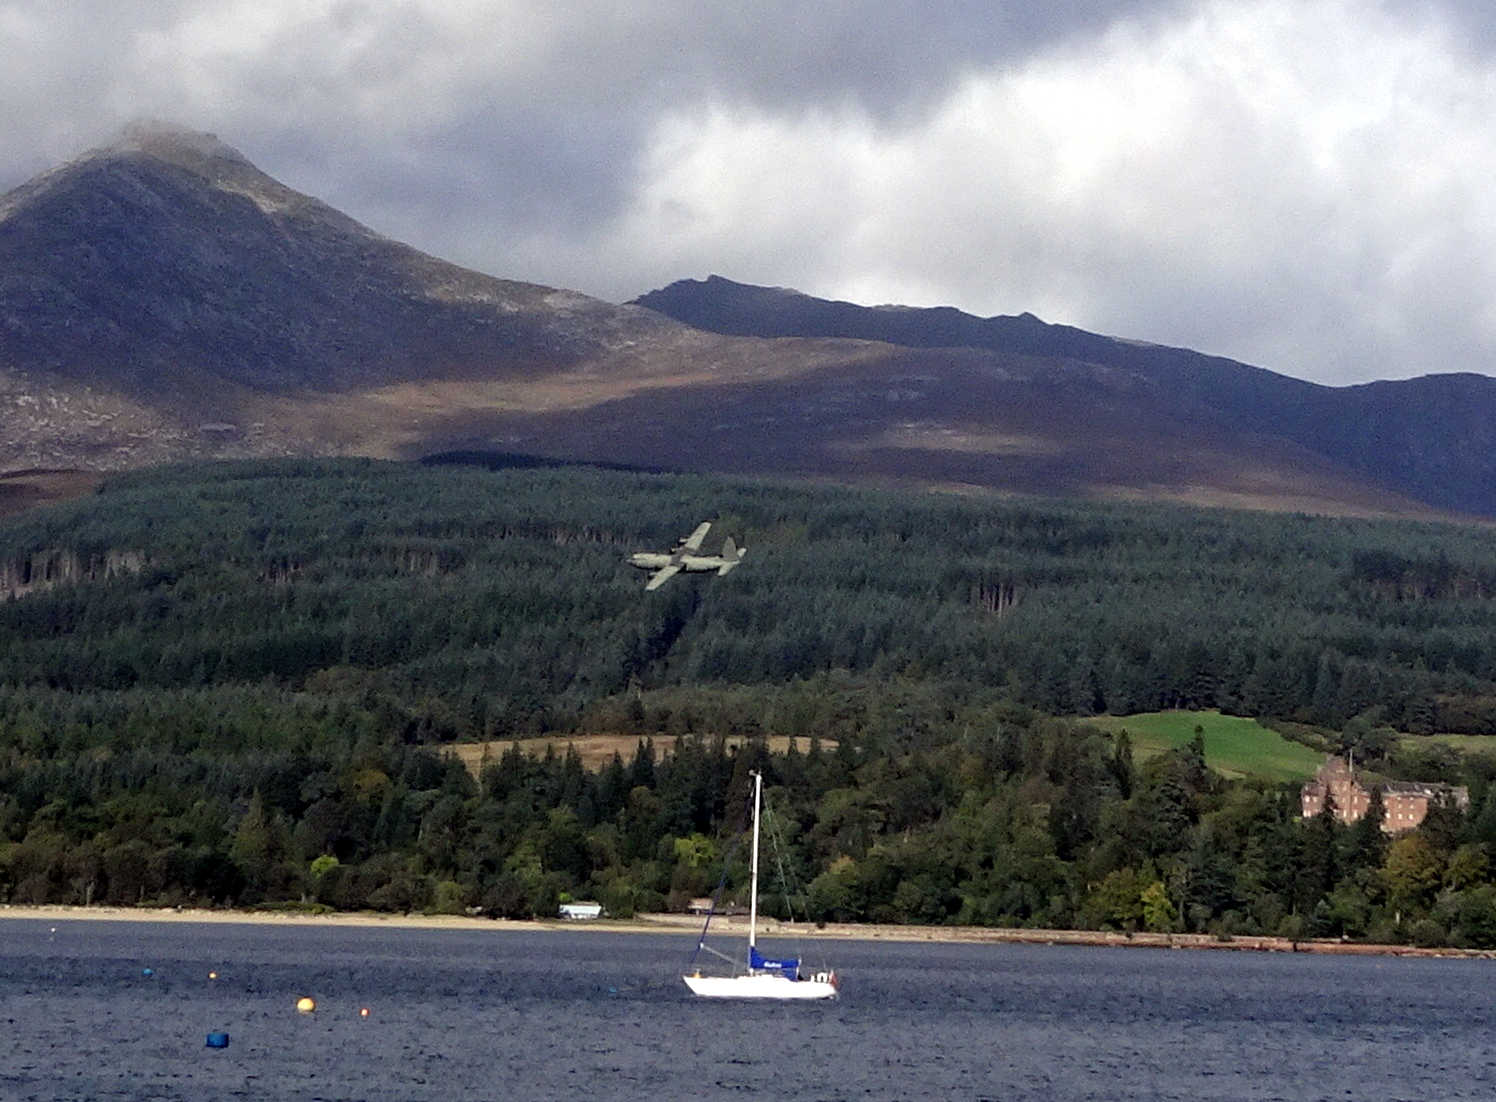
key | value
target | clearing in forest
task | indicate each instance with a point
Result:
(597, 751)
(1234, 746)
(1465, 744)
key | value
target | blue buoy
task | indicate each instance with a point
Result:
(218, 1040)
(147, 971)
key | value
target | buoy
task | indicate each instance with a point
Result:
(306, 1004)
(147, 971)
(218, 1040)
(363, 1012)
(212, 975)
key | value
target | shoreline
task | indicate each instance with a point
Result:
(691, 924)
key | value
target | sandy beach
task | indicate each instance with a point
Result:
(689, 925)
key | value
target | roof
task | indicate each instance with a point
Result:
(1429, 789)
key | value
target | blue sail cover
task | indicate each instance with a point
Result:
(789, 968)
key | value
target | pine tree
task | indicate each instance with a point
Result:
(1317, 864)
(1121, 764)
(1368, 841)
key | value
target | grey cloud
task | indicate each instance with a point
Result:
(890, 58)
(557, 79)
(550, 124)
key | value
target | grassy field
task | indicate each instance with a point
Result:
(1234, 747)
(1465, 744)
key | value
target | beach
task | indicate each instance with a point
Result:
(689, 925)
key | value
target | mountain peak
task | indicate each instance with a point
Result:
(168, 141)
(194, 151)
(152, 144)
(164, 265)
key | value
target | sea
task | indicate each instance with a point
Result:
(122, 1010)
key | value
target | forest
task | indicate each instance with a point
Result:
(233, 684)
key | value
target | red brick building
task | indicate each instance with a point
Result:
(1406, 802)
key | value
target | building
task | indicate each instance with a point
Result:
(580, 911)
(704, 906)
(1405, 802)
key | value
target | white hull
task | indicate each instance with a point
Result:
(761, 985)
(765, 979)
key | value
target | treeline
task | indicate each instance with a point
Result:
(1005, 818)
(474, 603)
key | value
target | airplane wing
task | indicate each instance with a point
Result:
(693, 541)
(662, 575)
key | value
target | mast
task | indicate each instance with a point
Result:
(758, 793)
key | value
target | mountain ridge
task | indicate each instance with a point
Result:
(1367, 426)
(162, 299)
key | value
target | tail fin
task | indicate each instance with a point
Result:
(732, 554)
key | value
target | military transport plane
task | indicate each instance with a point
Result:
(686, 555)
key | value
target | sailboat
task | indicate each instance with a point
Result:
(764, 978)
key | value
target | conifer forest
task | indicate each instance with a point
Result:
(239, 684)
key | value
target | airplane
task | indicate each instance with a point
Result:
(686, 555)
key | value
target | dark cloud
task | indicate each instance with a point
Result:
(891, 59)
(528, 93)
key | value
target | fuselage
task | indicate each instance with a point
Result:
(658, 560)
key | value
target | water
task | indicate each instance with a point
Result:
(593, 1015)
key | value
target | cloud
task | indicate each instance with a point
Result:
(1300, 185)
(522, 94)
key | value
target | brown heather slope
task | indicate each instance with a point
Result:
(1432, 438)
(161, 299)
(22, 490)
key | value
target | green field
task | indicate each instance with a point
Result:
(1234, 746)
(1465, 744)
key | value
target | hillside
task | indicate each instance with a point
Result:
(1432, 438)
(237, 683)
(471, 600)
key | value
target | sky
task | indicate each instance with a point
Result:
(1304, 185)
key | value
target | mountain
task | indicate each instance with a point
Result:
(1433, 438)
(162, 299)
(167, 261)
